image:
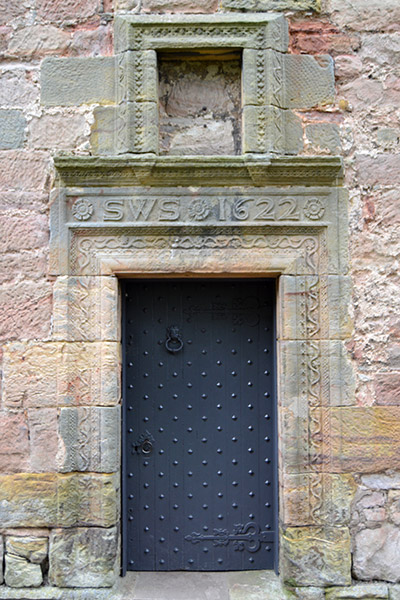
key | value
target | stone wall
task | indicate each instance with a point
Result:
(41, 496)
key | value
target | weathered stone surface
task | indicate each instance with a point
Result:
(25, 310)
(20, 573)
(85, 309)
(316, 556)
(12, 129)
(394, 592)
(44, 131)
(91, 439)
(44, 439)
(61, 374)
(394, 506)
(382, 169)
(23, 171)
(360, 591)
(186, 6)
(17, 88)
(387, 388)
(22, 230)
(374, 550)
(329, 375)
(271, 129)
(309, 80)
(314, 499)
(37, 41)
(323, 137)
(139, 76)
(365, 15)
(72, 81)
(83, 557)
(364, 439)
(52, 500)
(11, 10)
(14, 448)
(267, 5)
(31, 548)
(66, 10)
(102, 134)
(309, 593)
(136, 127)
(382, 481)
(1, 559)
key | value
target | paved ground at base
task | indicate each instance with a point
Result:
(239, 585)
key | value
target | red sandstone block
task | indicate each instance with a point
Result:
(387, 388)
(25, 310)
(21, 170)
(383, 169)
(14, 447)
(67, 10)
(28, 264)
(38, 41)
(320, 37)
(9, 10)
(22, 230)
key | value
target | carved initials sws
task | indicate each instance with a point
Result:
(236, 209)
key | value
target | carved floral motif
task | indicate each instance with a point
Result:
(82, 209)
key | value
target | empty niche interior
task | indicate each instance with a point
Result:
(200, 102)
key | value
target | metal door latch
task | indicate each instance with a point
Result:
(144, 444)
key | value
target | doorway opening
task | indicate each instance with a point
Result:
(199, 479)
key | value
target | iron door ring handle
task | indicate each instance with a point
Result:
(174, 341)
(147, 447)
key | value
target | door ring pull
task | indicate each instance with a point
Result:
(174, 342)
(146, 447)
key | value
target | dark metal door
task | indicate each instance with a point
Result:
(199, 477)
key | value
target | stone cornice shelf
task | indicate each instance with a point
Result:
(133, 170)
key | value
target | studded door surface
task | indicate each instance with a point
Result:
(199, 425)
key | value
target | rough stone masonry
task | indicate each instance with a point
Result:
(60, 336)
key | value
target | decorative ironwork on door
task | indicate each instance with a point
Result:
(199, 480)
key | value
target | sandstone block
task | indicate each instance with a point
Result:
(328, 380)
(309, 593)
(267, 5)
(365, 15)
(32, 549)
(25, 310)
(363, 439)
(324, 137)
(382, 169)
(91, 438)
(23, 171)
(394, 592)
(360, 591)
(12, 129)
(316, 556)
(102, 134)
(11, 10)
(61, 374)
(1, 559)
(382, 481)
(83, 557)
(37, 41)
(20, 573)
(85, 309)
(14, 448)
(387, 388)
(394, 506)
(270, 90)
(55, 500)
(271, 129)
(72, 81)
(185, 6)
(44, 439)
(67, 10)
(374, 550)
(309, 80)
(315, 498)
(316, 307)
(138, 81)
(22, 230)
(136, 127)
(16, 86)
(44, 131)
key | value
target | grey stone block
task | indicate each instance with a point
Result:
(21, 573)
(275, 5)
(137, 127)
(137, 77)
(72, 81)
(83, 557)
(324, 136)
(271, 129)
(368, 591)
(12, 129)
(263, 78)
(309, 80)
(91, 438)
(32, 549)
